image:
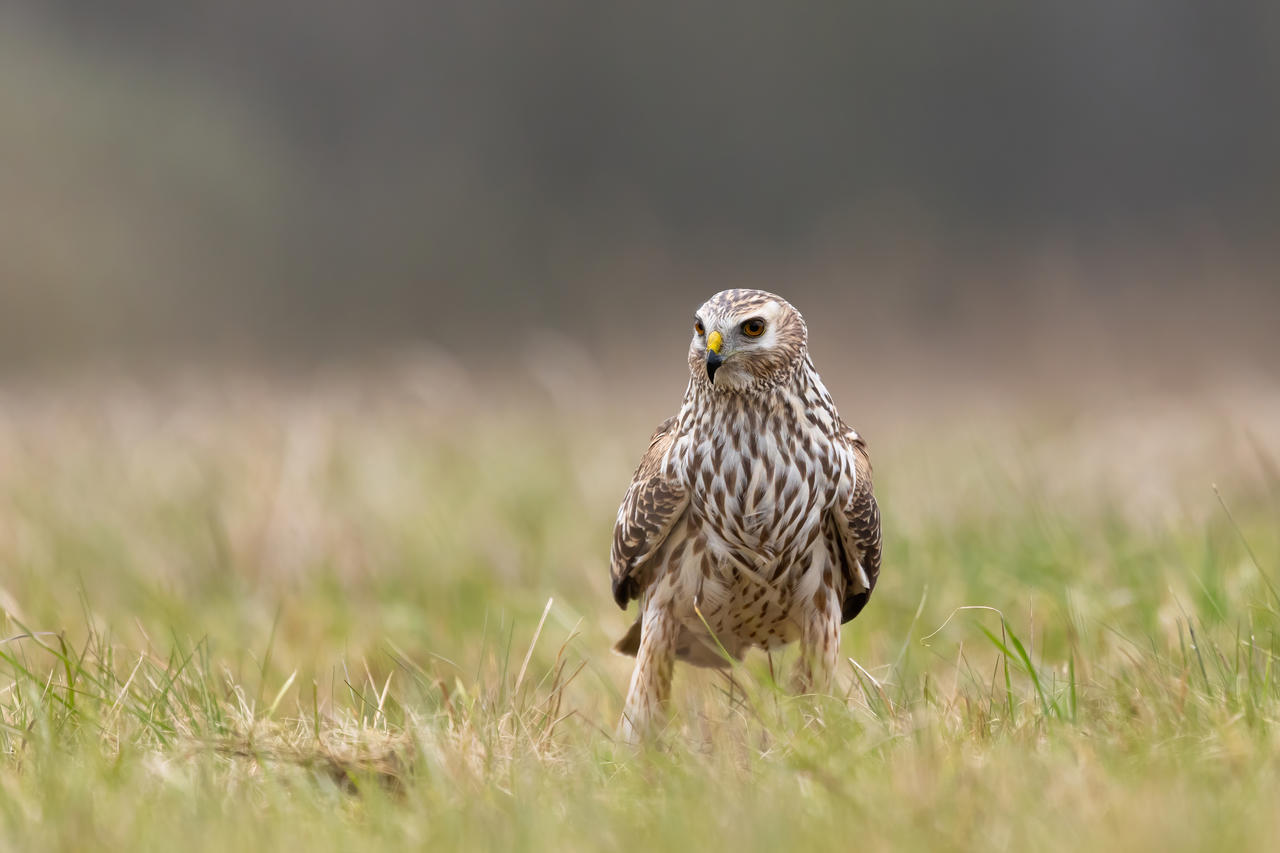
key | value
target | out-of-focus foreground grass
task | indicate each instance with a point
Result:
(242, 617)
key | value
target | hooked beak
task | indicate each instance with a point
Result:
(714, 342)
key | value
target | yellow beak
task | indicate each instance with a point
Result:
(714, 341)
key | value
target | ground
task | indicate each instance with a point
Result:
(337, 618)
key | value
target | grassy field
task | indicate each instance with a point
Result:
(249, 618)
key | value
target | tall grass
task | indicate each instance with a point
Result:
(255, 619)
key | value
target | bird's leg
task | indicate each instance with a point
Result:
(819, 644)
(651, 680)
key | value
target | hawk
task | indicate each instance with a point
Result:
(750, 521)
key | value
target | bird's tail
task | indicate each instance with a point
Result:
(689, 648)
(630, 642)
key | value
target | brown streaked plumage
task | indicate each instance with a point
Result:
(750, 520)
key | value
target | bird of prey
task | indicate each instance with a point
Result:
(750, 521)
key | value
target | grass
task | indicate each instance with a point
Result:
(244, 618)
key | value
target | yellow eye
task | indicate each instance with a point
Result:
(753, 328)
(699, 328)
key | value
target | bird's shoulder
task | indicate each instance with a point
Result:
(849, 442)
(659, 443)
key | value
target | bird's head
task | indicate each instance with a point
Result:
(746, 340)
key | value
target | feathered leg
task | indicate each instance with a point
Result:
(819, 643)
(651, 680)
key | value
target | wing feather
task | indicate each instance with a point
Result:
(858, 524)
(651, 507)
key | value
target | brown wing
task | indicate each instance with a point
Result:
(858, 524)
(649, 510)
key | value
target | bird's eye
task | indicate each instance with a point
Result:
(699, 328)
(753, 328)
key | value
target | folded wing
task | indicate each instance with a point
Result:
(651, 507)
(858, 530)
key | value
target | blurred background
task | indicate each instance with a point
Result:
(990, 195)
